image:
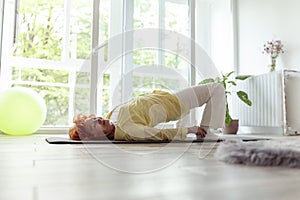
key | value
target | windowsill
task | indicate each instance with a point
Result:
(52, 130)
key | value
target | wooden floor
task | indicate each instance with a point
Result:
(30, 168)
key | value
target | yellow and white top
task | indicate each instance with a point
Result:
(137, 118)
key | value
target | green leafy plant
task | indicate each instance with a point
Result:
(228, 83)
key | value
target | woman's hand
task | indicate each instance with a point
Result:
(200, 132)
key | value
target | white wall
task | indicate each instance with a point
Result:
(262, 20)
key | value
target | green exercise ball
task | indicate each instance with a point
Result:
(22, 111)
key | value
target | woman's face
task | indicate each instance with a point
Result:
(95, 128)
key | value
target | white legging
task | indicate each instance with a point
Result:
(213, 95)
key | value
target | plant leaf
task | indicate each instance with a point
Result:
(232, 82)
(218, 80)
(244, 97)
(243, 77)
(229, 74)
(205, 81)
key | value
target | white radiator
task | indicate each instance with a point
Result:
(275, 104)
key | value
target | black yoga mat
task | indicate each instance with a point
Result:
(62, 140)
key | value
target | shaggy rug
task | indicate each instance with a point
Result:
(261, 153)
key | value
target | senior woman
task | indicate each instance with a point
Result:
(136, 119)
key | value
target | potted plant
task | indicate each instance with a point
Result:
(228, 83)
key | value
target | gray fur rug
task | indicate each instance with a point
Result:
(261, 153)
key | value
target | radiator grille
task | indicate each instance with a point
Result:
(265, 92)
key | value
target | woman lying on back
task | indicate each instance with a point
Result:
(136, 120)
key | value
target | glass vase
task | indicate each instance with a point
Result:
(273, 64)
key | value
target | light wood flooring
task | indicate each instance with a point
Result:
(30, 168)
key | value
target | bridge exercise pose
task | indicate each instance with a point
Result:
(136, 119)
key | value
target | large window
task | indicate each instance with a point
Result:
(47, 45)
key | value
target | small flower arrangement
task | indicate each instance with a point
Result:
(273, 48)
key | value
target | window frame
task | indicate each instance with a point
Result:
(1, 28)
